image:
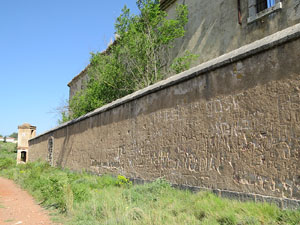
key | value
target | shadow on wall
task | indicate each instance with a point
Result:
(65, 150)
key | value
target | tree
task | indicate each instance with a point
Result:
(14, 135)
(61, 111)
(137, 59)
(145, 40)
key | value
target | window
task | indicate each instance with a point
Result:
(264, 4)
(262, 8)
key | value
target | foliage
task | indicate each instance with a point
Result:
(145, 38)
(137, 59)
(183, 63)
(14, 135)
(7, 155)
(64, 117)
(62, 111)
(8, 147)
(123, 181)
(89, 199)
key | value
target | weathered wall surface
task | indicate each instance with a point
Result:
(229, 124)
(213, 28)
(78, 83)
(25, 132)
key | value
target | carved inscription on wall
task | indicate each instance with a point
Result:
(235, 127)
(244, 140)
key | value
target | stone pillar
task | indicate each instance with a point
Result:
(25, 132)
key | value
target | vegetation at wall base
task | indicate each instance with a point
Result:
(139, 57)
(85, 199)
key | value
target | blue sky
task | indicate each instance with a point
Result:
(43, 45)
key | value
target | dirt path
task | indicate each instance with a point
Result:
(18, 207)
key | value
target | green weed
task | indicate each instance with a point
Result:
(82, 198)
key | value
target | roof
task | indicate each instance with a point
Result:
(164, 4)
(106, 51)
(79, 75)
(26, 126)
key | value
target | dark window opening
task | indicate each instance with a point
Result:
(23, 156)
(264, 4)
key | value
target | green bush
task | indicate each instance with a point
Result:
(6, 163)
(7, 155)
(8, 147)
(123, 181)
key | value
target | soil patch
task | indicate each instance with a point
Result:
(18, 207)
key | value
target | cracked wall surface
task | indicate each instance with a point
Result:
(235, 128)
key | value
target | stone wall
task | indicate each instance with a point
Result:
(231, 125)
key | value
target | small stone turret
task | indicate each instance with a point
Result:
(25, 132)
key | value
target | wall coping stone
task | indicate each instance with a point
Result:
(264, 44)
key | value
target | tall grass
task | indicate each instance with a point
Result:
(8, 155)
(88, 199)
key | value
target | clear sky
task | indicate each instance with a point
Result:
(43, 45)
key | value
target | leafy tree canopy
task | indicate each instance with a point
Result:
(137, 59)
(14, 135)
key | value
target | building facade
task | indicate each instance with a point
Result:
(218, 27)
(78, 83)
(25, 133)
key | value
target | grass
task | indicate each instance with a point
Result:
(88, 199)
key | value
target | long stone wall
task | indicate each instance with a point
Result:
(231, 125)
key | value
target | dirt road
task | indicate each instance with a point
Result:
(18, 207)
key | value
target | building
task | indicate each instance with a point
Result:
(9, 139)
(78, 82)
(25, 132)
(218, 27)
